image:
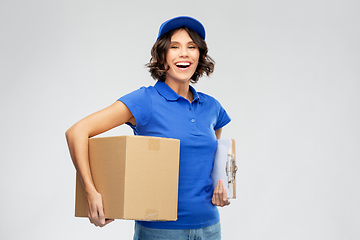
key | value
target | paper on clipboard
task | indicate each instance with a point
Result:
(225, 166)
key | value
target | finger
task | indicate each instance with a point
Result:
(217, 194)
(221, 185)
(93, 216)
(101, 217)
(213, 199)
(222, 195)
(95, 219)
(225, 198)
(107, 221)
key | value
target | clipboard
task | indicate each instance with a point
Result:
(225, 166)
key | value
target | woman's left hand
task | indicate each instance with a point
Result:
(220, 195)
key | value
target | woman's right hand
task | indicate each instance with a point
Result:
(95, 210)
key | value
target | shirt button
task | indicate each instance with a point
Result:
(192, 120)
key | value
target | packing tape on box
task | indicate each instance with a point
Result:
(151, 214)
(154, 144)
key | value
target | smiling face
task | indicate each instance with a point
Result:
(182, 57)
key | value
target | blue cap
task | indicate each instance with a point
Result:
(182, 21)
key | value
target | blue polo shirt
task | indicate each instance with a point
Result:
(161, 112)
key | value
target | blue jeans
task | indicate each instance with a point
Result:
(212, 232)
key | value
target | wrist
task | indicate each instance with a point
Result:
(90, 189)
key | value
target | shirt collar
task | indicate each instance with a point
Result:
(170, 95)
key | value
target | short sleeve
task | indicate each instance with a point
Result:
(223, 118)
(140, 105)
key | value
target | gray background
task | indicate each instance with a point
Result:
(287, 72)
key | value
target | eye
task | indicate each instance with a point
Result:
(192, 47)
(174, 47)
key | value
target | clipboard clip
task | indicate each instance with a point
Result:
(231, 168)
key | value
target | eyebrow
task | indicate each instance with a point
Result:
(186, 43)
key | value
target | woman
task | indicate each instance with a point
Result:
(171, 108)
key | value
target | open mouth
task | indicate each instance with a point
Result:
(183, 64)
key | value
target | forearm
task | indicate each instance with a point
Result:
(78, 137)
(77, 140)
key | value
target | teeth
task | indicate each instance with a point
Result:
(183, 64)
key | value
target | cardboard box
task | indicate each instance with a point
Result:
(136, 175)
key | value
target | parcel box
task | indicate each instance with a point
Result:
(136, 175)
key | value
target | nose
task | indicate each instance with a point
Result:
(184, 52)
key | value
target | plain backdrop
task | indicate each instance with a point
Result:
(287, 72)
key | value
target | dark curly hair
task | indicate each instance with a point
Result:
(158, 65)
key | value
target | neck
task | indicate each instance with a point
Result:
(181, 88)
